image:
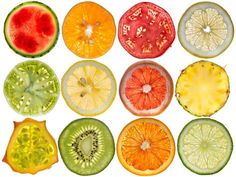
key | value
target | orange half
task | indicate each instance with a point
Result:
(146, 147)
(89, 30)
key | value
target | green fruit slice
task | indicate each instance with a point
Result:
(88, 87)
(31, 29)
(31, 88)
(205, 146)
(202, 88)
(86, 146)
(205, 30)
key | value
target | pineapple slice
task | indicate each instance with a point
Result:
(203, 88)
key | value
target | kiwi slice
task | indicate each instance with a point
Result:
(31, 88)
(86, 146)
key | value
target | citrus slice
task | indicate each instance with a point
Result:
(202, 88)
(205, 146)
(32, 88)
(146, 88)
(145, 147)
(88, 30)
(205, 30)
(31, 147)
(31, 29)
(88, 87)
(146, 30)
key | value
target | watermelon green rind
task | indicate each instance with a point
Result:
(55, 20)
(179, 141)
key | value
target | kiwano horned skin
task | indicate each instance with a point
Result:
(57, 29)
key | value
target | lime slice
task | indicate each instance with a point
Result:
(205, 146)
(88, 87)
(205, 30)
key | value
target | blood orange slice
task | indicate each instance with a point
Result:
(31, 29)
(146, 147)
(146, 30)
(88, 30)
(146, 88)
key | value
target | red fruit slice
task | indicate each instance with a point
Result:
(146, 30)
(31, 29)
(146, 88)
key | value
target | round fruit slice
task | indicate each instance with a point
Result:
(202, 88)
(205, 146)
(31, 88)
(146, 30)
(205, 30)
(31, 29)
(146, 147)
(88, 30)
(86, 146)
(88, 87)
(146, 88)
(31, 147)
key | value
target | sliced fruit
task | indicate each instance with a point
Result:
(205, 146)
(31, 88)
(31, 147)
(146, 88)
(146, 30)
(145, 147)
(31, 29)
(88, 30)
(202, 88)
(88, 87)
(205, 30)
(86, 146)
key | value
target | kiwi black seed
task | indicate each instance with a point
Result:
(86, 146)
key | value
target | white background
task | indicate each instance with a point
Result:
(117, 59)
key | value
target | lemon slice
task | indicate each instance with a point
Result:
(205, 30)
(88, 87)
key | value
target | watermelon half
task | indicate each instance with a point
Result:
(31, 29)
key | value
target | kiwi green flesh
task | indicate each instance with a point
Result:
(31, 88)
(86, 146)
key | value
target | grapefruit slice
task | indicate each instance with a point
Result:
(31, 147)
(88, 87)
(205, 30)
(146, 147)
(31, 29)
(88, 30)
(146, 88)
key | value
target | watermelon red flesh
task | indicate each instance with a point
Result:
(134, 88)
(32, 29)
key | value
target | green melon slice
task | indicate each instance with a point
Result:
(31, 88)
(205, 146)
(31, 29)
